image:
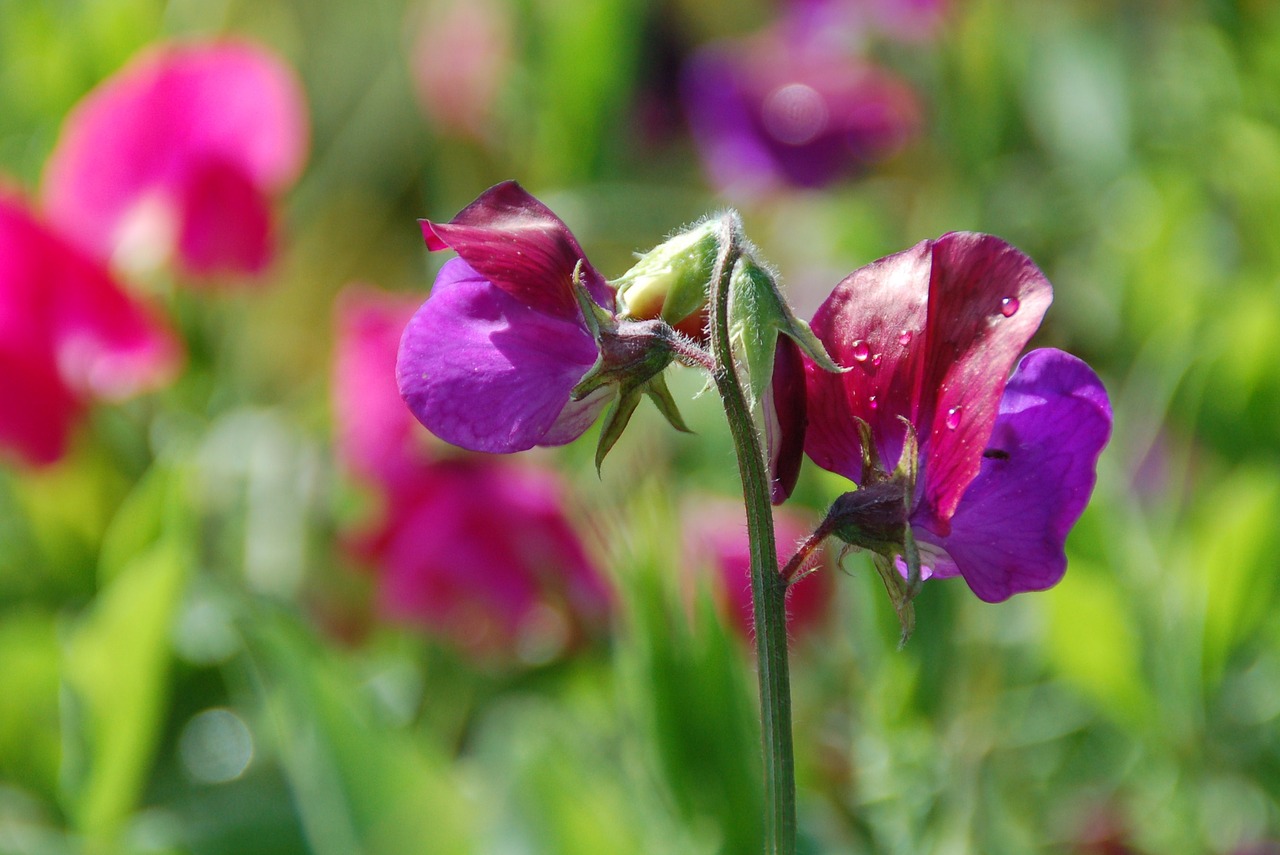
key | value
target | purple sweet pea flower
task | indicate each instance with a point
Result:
(178, 153)
(489, 361)
(1006, 463)
(789, 108)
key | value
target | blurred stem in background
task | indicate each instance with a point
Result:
(768, 589)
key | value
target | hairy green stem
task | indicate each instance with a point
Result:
(768, 588)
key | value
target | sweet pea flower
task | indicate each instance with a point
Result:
(716, 536)
(68, 333)
(377, 438)
(490, 360)
(179, 153)
(788, 108)
(477, 550)
(1006, 463)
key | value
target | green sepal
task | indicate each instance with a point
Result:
(596, 317)
(757, 314)
(658, 392)
(899, 594)
(615, 422)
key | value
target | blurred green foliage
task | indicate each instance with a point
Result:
(184, 558)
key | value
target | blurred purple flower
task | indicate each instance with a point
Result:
(68, 332)
(716, 536)
(477, 550)
(489, 361)
(178, 153)
(788, 107)
(1006, 463)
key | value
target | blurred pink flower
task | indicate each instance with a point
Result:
(376, 433)
(178, 153)
(461, 59)
(716, 537)
(67, 333)
(478, 550)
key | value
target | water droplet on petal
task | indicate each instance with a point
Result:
(1008, 306)
(872, 402)
(877, 359)
(953, 418)
(861, 350)
(904, 338)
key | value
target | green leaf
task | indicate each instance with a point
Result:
(360, 786)
(116, 668)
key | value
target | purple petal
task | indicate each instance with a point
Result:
(986, 300)
(518, 244)
(1009, 530)
(484, 371)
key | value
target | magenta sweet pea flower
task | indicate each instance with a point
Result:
(179, 154)
(479, 551)
(1006, 463)
(787, 108)
(489, 361)
(68, 333)
(716, 536)
(377, 438)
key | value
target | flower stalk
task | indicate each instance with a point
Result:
(768, 588)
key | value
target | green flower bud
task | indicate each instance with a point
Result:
(671, 281)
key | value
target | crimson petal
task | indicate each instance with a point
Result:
(518, 244)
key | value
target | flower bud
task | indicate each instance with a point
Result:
(671, 281)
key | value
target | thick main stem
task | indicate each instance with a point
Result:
(768, 589)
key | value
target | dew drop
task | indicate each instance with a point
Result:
(861, 350)
(877, 359)
(1008, 306)
(953, 418)
(872, 402)
(904, 338)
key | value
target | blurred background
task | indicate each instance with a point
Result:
(247, 607)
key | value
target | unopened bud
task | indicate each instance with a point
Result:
(672, 280)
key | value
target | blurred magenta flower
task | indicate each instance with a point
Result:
(68, 333)
(377, 438)
(478, 550)
(1006, 463)
(716, 537)
(178, 154)
(461, 60)
(489, 361)
(788, 107)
